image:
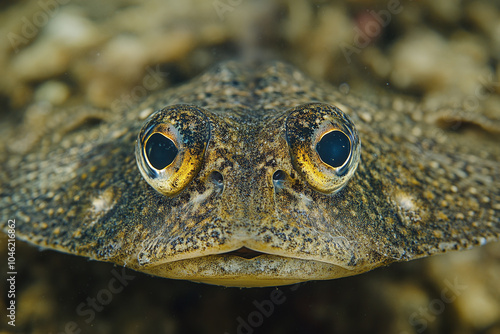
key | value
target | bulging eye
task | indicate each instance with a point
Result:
(324, 145)
(170, 147)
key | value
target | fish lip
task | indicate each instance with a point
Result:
(241, 251)
(228, 269)
(244, 250)
(246, 253)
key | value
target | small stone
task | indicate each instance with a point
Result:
(54, 92)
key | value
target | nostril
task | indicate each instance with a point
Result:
(279, 175)
(218, 179)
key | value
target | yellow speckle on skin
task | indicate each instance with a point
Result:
(437, 233)
(405, 201)
(429, 195)
(434, 164)
(103, 202)
(442, 216)
(414, 181)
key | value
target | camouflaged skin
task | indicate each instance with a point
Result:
(419, 189)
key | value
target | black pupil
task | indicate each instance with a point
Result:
(334, 148)
(160, 151)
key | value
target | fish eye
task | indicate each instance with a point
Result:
(171, 146)
(334, 148)
(324, 146)
(160, 151)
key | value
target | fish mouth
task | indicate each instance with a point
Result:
(244, 252)
(245, 267)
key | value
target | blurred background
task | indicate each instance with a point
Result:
(95, 52)
(112, 54)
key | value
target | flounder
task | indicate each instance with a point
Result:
(255, 175)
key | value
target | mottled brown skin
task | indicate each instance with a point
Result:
(419, 189)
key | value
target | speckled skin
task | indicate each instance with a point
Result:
(418, 190)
